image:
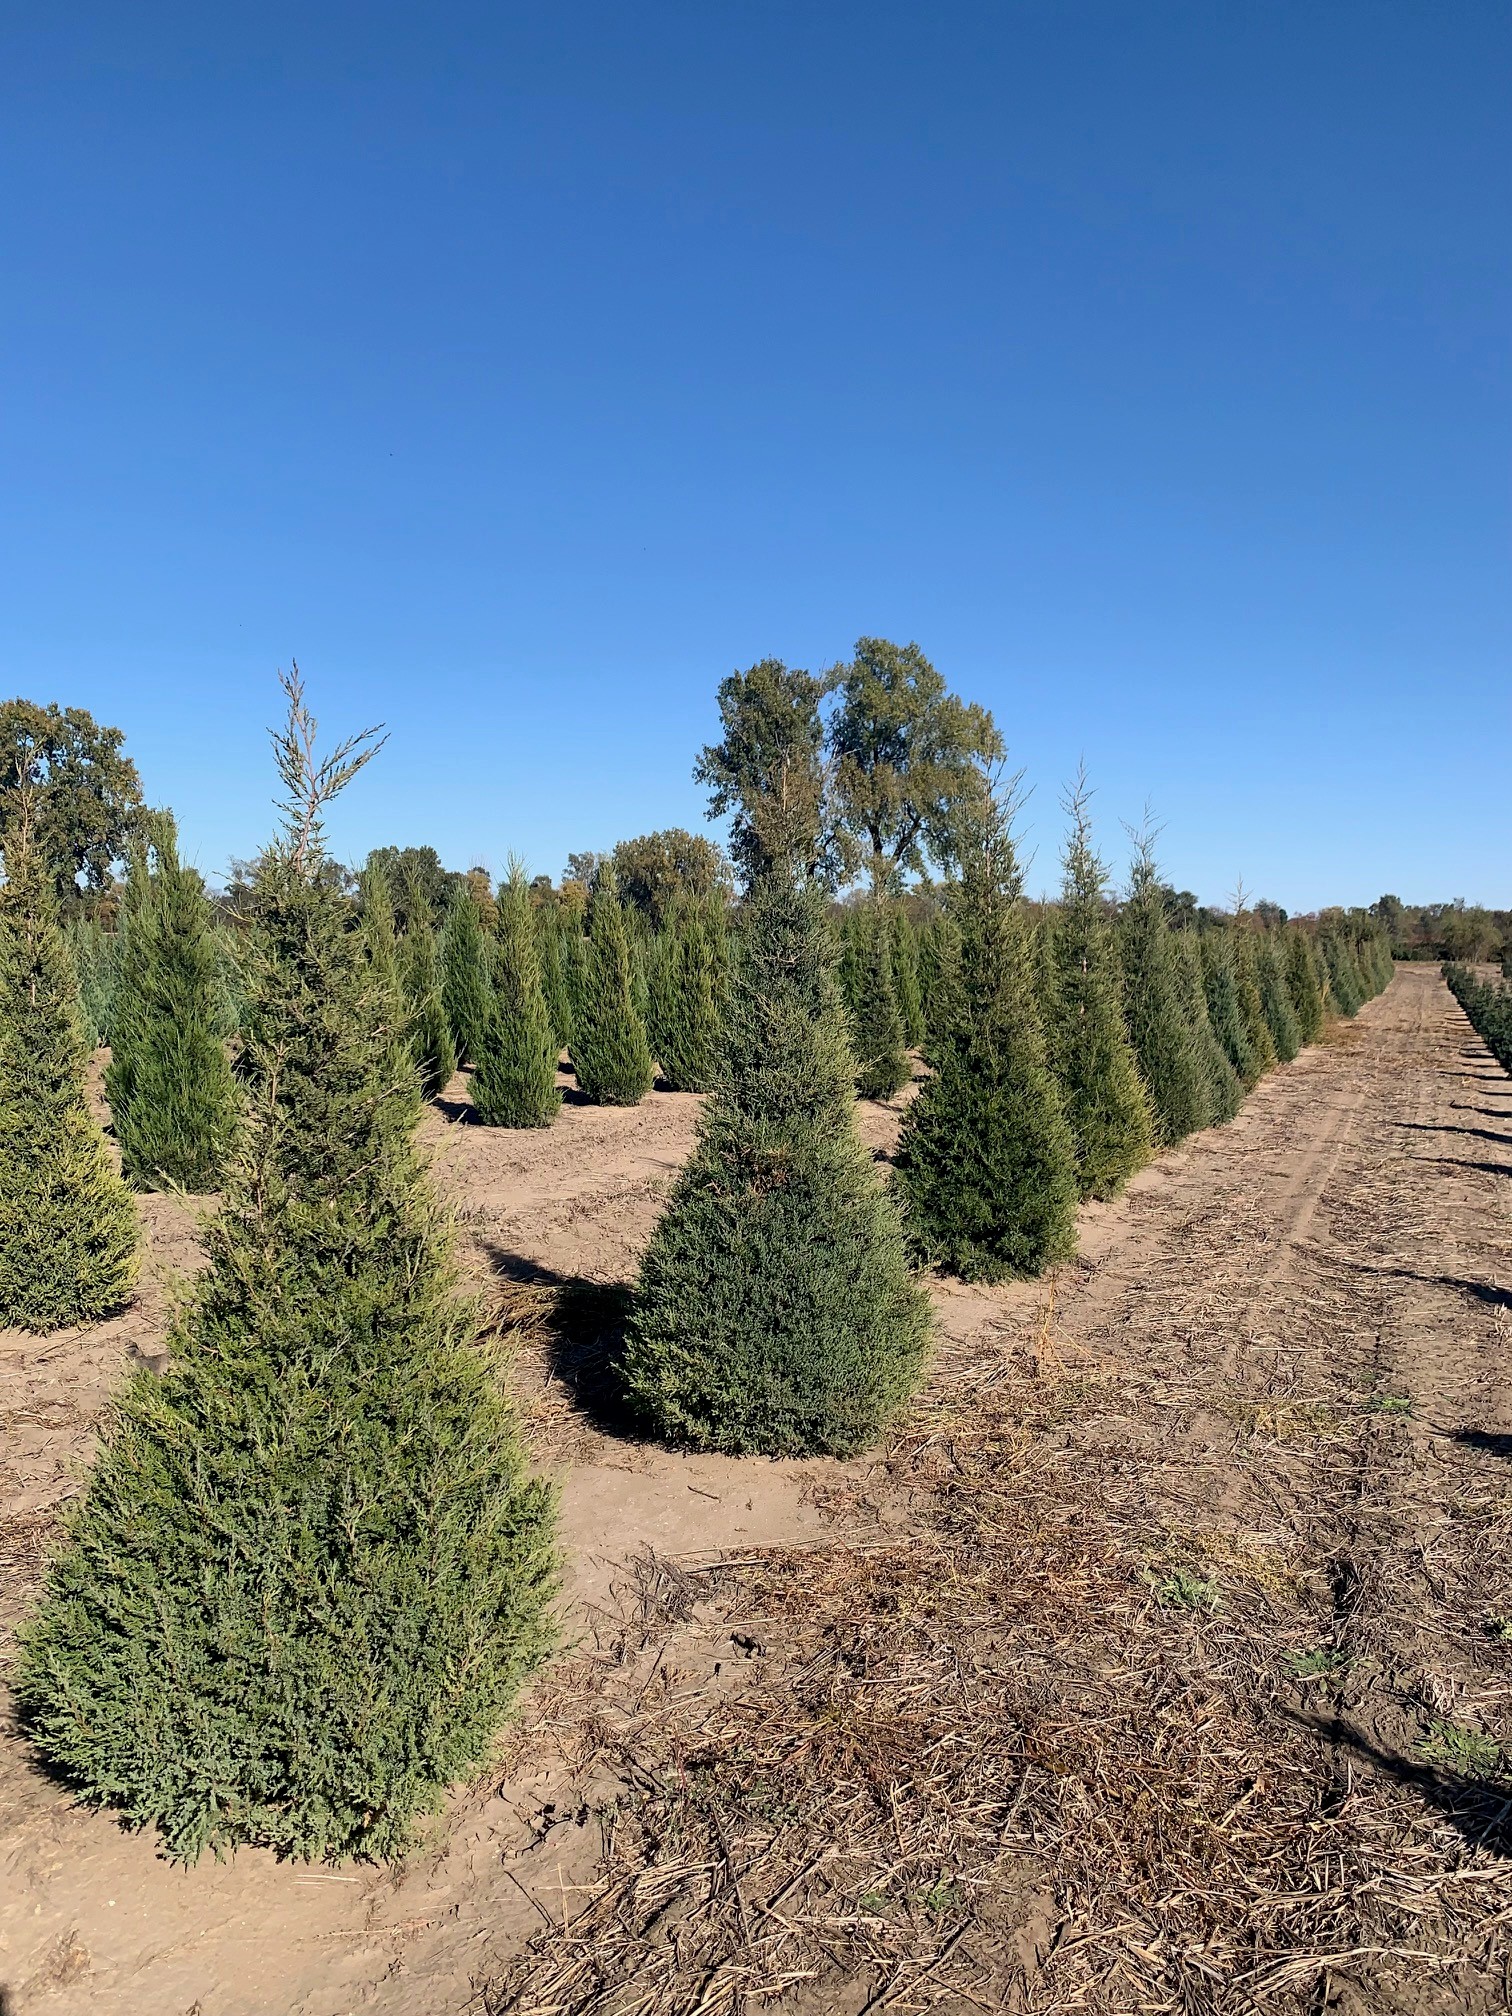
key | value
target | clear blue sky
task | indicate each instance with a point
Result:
(522, 371)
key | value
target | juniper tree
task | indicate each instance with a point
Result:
(515, 1071)
(428, 1034)
(940, 977)
(68, 1228)
(1106, 1105)
(610, 1052)
(1165, 1047)
(1246, 978)
(877, 1030)
(1303, 985)
(1225, 1090)
(986, 1166)
(1221, 986)
(172, 1100)
(775, 1312)
(94, 951)
(308, 1573)
(688, 996)
(1346, 991)
(554, 977)
(466, 979)
(1275, 999)
(905, 965)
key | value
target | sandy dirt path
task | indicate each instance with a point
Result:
(1276, 1377)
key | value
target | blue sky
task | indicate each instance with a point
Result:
(523, 371)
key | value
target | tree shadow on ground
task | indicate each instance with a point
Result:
(582, 1324)
(1459, 1162)
(1478, 1291)
(1478, 1809)
(1492, 1440)
(1475, 1133)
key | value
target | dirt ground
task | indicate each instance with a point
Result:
(1160, 1662)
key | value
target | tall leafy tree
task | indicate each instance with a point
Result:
(515, 1079)
(659, 870)
(169, 1082)
(1165, 1047)
(610, 1051)
(986, 1167)
(768, 774)
(1107, 1107)
(80, 790)
(774, 1311)
(309, 1572)
(68, 1228)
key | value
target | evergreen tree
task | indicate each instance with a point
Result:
(309, 1573)
(905, 964)
(68, 1228)
(466, 977)
(1345, 989)
(1225, 1089)
(1275, 998)
(1107, 1107)
(1303, 985)
(610, 1052)
(375, 904)
(515, 1076)
(169, 1081)
(775, 1311)
(940, 978)
(93, 950)
(881, 1066)
(852, 964)
(1165, 1048)
(554, 977)
(575, 975)
(1221, 985)
(986, 1166)
(1247, 981)
(688, 997)
(427, 1026)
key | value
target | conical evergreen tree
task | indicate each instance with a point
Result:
(610, 1051)
(94, 952)
(1345, 989)
(1165, 1047)
(881, 1065)
(688, 998)
(1106, 1105)
(852, 964)
(309, 1572)
(940, 977)
(467, 991)
(1225, 1090)
(169, 1082)
(68, 1228)
(1221, 986)
(554, 977)
(515, 1073)
(1246, 979)
(575, 975)
(427, 1026)
(1275, 999)
(986, 1167)
(905, 965)
(376, 911)
(775, 1311)
(1303, 985)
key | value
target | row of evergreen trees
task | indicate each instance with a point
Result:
(1489, 1008)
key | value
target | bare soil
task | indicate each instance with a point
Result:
(1162, 1661)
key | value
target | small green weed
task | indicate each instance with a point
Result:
(1499, 1627)
(1391, 1403)
(1313, 1665)
(1185, 1589)
(1463, 1750)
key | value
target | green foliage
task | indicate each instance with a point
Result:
(467, 990)
(309, 1573)
(1106, 1105)
(1165, 1047)
(610, 1052)
(1346, 988)
(986, 1167)
(428, 1034)
(93, 950)
(1489, 1009)
(905, 965)
(515, 1076)
(1221, 985)
(551, 952)
(169, 1081)
(79, 794)
(1225, 1090)
(1247, 983)
(1275, 996)
(1304, 985)
(661, 869)
(688, 996)
(882, 1068)
(940, 977)
(905, 752)
(767, 773)
(421, 888)
(775, 1311)
(68, 1228)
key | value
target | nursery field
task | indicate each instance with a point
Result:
(1160, 1658)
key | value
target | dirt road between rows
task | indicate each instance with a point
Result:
(1162, 1661)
